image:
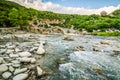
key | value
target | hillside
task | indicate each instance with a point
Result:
(13, 14)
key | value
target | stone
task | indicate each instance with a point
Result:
(40, 49)
(11, 68)
(27, 60)
(8, 59)
(97, 70)
(2, 51)
(11, 47)
(104, 42)
(13, 55)
(17, 71)
(6, 75)
(57, 30)
(116, 53)
(37, 45)
(17, 50)
(2, 46)
(96, 49)
(79, 48)
(68, 38)
(1, 60)
(39, 71)
(33, 60)
(3, 68)
(24, 54)
(9, 51)
(33, 49)
(15, 61)
(22, 76)
(16, 65)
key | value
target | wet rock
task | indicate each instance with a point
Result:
(13, 55)
(81, 48)
(96, 49)
(61, 61)
(40, 49)
(2, 51)
(6, 75)
(39, 71)
(24, 54)
(11, 68)
(116, 53)
(68, 38)
(105, 42)
(97, 70)
(3, 68)
(17, 71)
(22, 76)
(27, 60)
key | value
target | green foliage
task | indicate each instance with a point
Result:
(106, 33)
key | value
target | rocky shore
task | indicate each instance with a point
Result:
(22, 55)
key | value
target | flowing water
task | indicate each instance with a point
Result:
(67, 64)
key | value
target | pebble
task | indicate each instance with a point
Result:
(11, 47)
(39, 71)
(17, 50)
(33, 49)
(11, 69)
(27, 60)
(9, 51)
(17, 71)
(96, 49)
(3, 68)
(6, 75)
(104, 42)
(2, 51)
(40, 49)
(13, 55)
(24, 54)
(15, 65)
(15, 62)
(68, 38)
(1, 60)
(21, 76)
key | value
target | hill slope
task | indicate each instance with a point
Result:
(13, 14)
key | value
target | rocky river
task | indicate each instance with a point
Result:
(59, 57)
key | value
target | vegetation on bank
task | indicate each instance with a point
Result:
(13, 14)
(106, 33)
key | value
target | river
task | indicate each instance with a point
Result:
(84, 58)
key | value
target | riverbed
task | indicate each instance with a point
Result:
(85, 57)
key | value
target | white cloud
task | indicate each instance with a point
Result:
(49, 6)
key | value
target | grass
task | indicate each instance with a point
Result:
(106, 33)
